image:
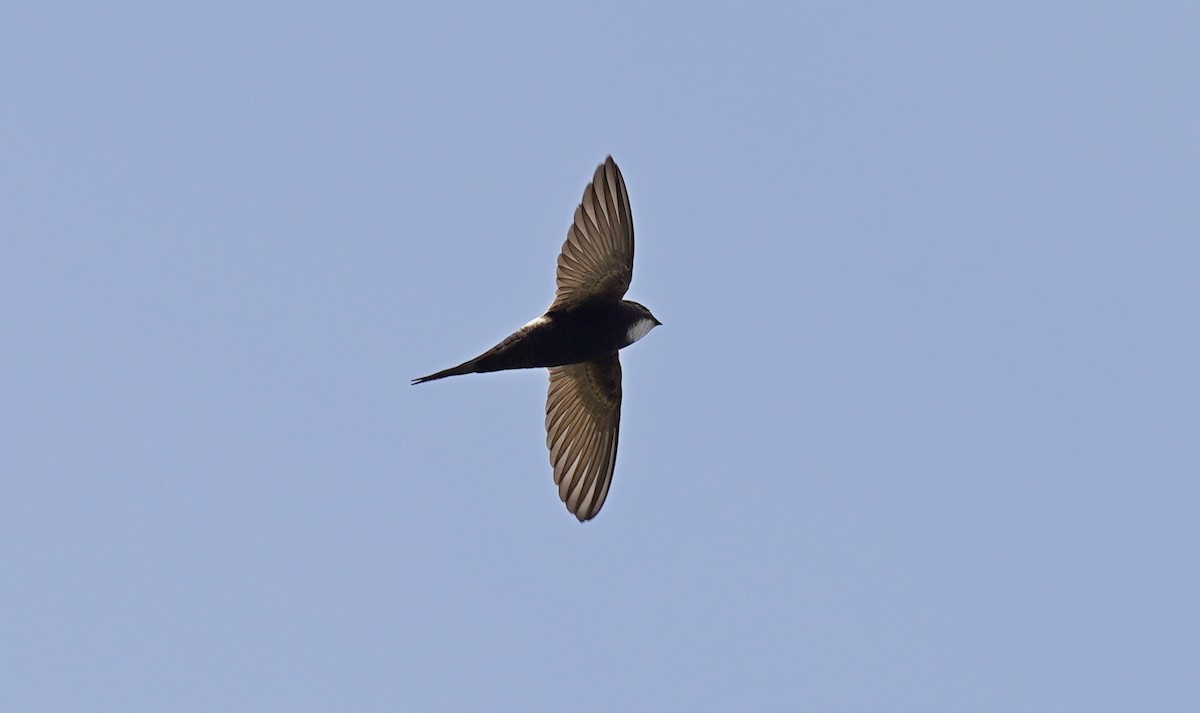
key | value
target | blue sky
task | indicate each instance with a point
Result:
(919, 432)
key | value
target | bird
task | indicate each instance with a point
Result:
(577, 340)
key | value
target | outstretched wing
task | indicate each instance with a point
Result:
(597, 256)
(583, 419)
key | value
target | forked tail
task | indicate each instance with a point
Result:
(464, 368)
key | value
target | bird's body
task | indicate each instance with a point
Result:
(571, 336)
(577, 339)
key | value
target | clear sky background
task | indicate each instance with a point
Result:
(919, 433)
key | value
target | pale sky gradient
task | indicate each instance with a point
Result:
(919, 433)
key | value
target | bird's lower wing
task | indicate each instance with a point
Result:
(583, 418)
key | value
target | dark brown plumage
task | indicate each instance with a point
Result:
(577, 339)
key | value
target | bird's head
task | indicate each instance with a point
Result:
(640, 323)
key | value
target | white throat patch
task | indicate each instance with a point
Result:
(639, 329)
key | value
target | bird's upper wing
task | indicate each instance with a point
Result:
(583, 419)
(597, 256)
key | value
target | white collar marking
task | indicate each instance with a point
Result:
(639, 329)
